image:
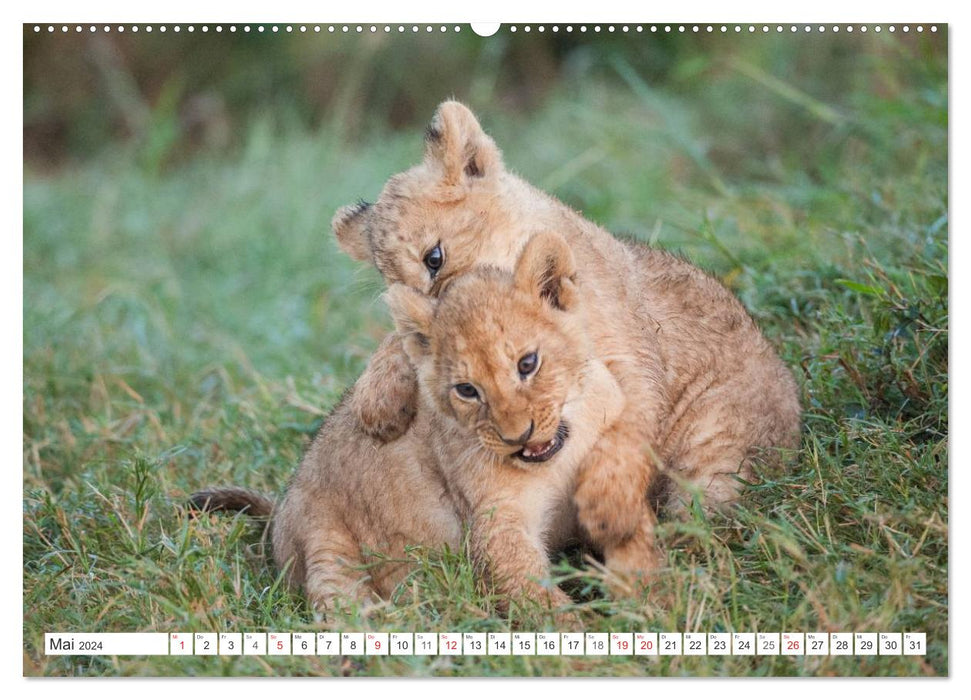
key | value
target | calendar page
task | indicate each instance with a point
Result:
(610, 349)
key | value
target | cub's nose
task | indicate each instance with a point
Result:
(522, 439)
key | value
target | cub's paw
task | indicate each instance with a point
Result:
(609, 515)
(384, 416)
(631, 566)
(385, 397)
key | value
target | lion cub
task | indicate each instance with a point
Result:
(706, 393)
(516, 399)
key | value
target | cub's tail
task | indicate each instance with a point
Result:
(231, 498)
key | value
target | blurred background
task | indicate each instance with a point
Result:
(172, 96)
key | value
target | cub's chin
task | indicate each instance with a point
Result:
(545, 451)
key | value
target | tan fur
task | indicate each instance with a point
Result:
(706, 392)
(476, 334)
(354, 494)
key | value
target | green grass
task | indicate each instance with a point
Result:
(190, 327)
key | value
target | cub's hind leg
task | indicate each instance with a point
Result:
(714, 441)
(713, 474)
(329, 568)
(333, 578)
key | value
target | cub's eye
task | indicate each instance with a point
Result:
(434, 259)
(466, 391)
(527, 364)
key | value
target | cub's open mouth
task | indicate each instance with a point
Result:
(540, 452)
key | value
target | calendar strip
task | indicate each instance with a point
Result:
(487, 644)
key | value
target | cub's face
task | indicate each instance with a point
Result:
(504, 370)
(503, 355)
(444, 216)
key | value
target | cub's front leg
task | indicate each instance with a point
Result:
(512, 557)
(611, 499)
(385, 397)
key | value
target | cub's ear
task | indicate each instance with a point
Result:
(547, 269)
(456, 143)
(412, 312)
(350, 227)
